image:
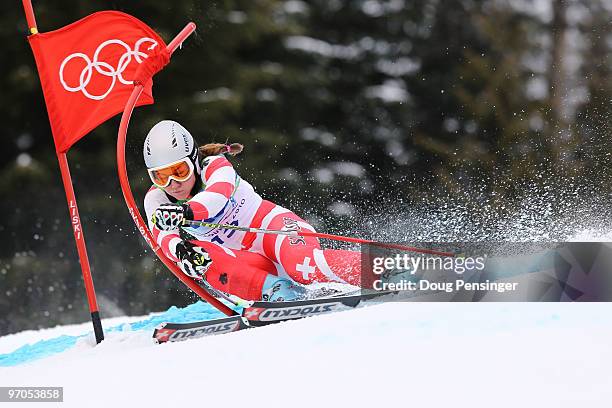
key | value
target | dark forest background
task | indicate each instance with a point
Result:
(348, 110)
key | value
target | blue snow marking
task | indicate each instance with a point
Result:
(41, 349)
(193, 313)
(45, 348)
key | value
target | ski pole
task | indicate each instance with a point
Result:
(317, 235)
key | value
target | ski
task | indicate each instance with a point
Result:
(182, 331)
(261, 313)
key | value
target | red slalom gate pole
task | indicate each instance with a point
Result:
(73, 211)
(79, 237)
(31, 20)
(180, 37)
(129, 198)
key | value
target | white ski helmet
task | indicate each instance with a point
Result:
(168, 142)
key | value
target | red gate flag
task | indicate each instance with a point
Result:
(87, 68)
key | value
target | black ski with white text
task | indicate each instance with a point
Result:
(260, 313)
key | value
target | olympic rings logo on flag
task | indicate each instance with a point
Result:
(104, 68)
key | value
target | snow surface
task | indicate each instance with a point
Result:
(395, 354)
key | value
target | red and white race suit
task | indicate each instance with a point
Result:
(242, 260)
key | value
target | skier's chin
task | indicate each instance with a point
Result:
(181, 196)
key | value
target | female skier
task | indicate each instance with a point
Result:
(192, 183)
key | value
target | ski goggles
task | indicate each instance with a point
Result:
(179, 170)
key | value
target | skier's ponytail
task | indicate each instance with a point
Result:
(213, 149)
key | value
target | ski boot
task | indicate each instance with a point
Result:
(277, 289)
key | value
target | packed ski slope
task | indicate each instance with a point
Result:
(401, 354)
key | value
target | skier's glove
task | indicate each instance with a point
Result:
(168, 217)
(194, 261)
